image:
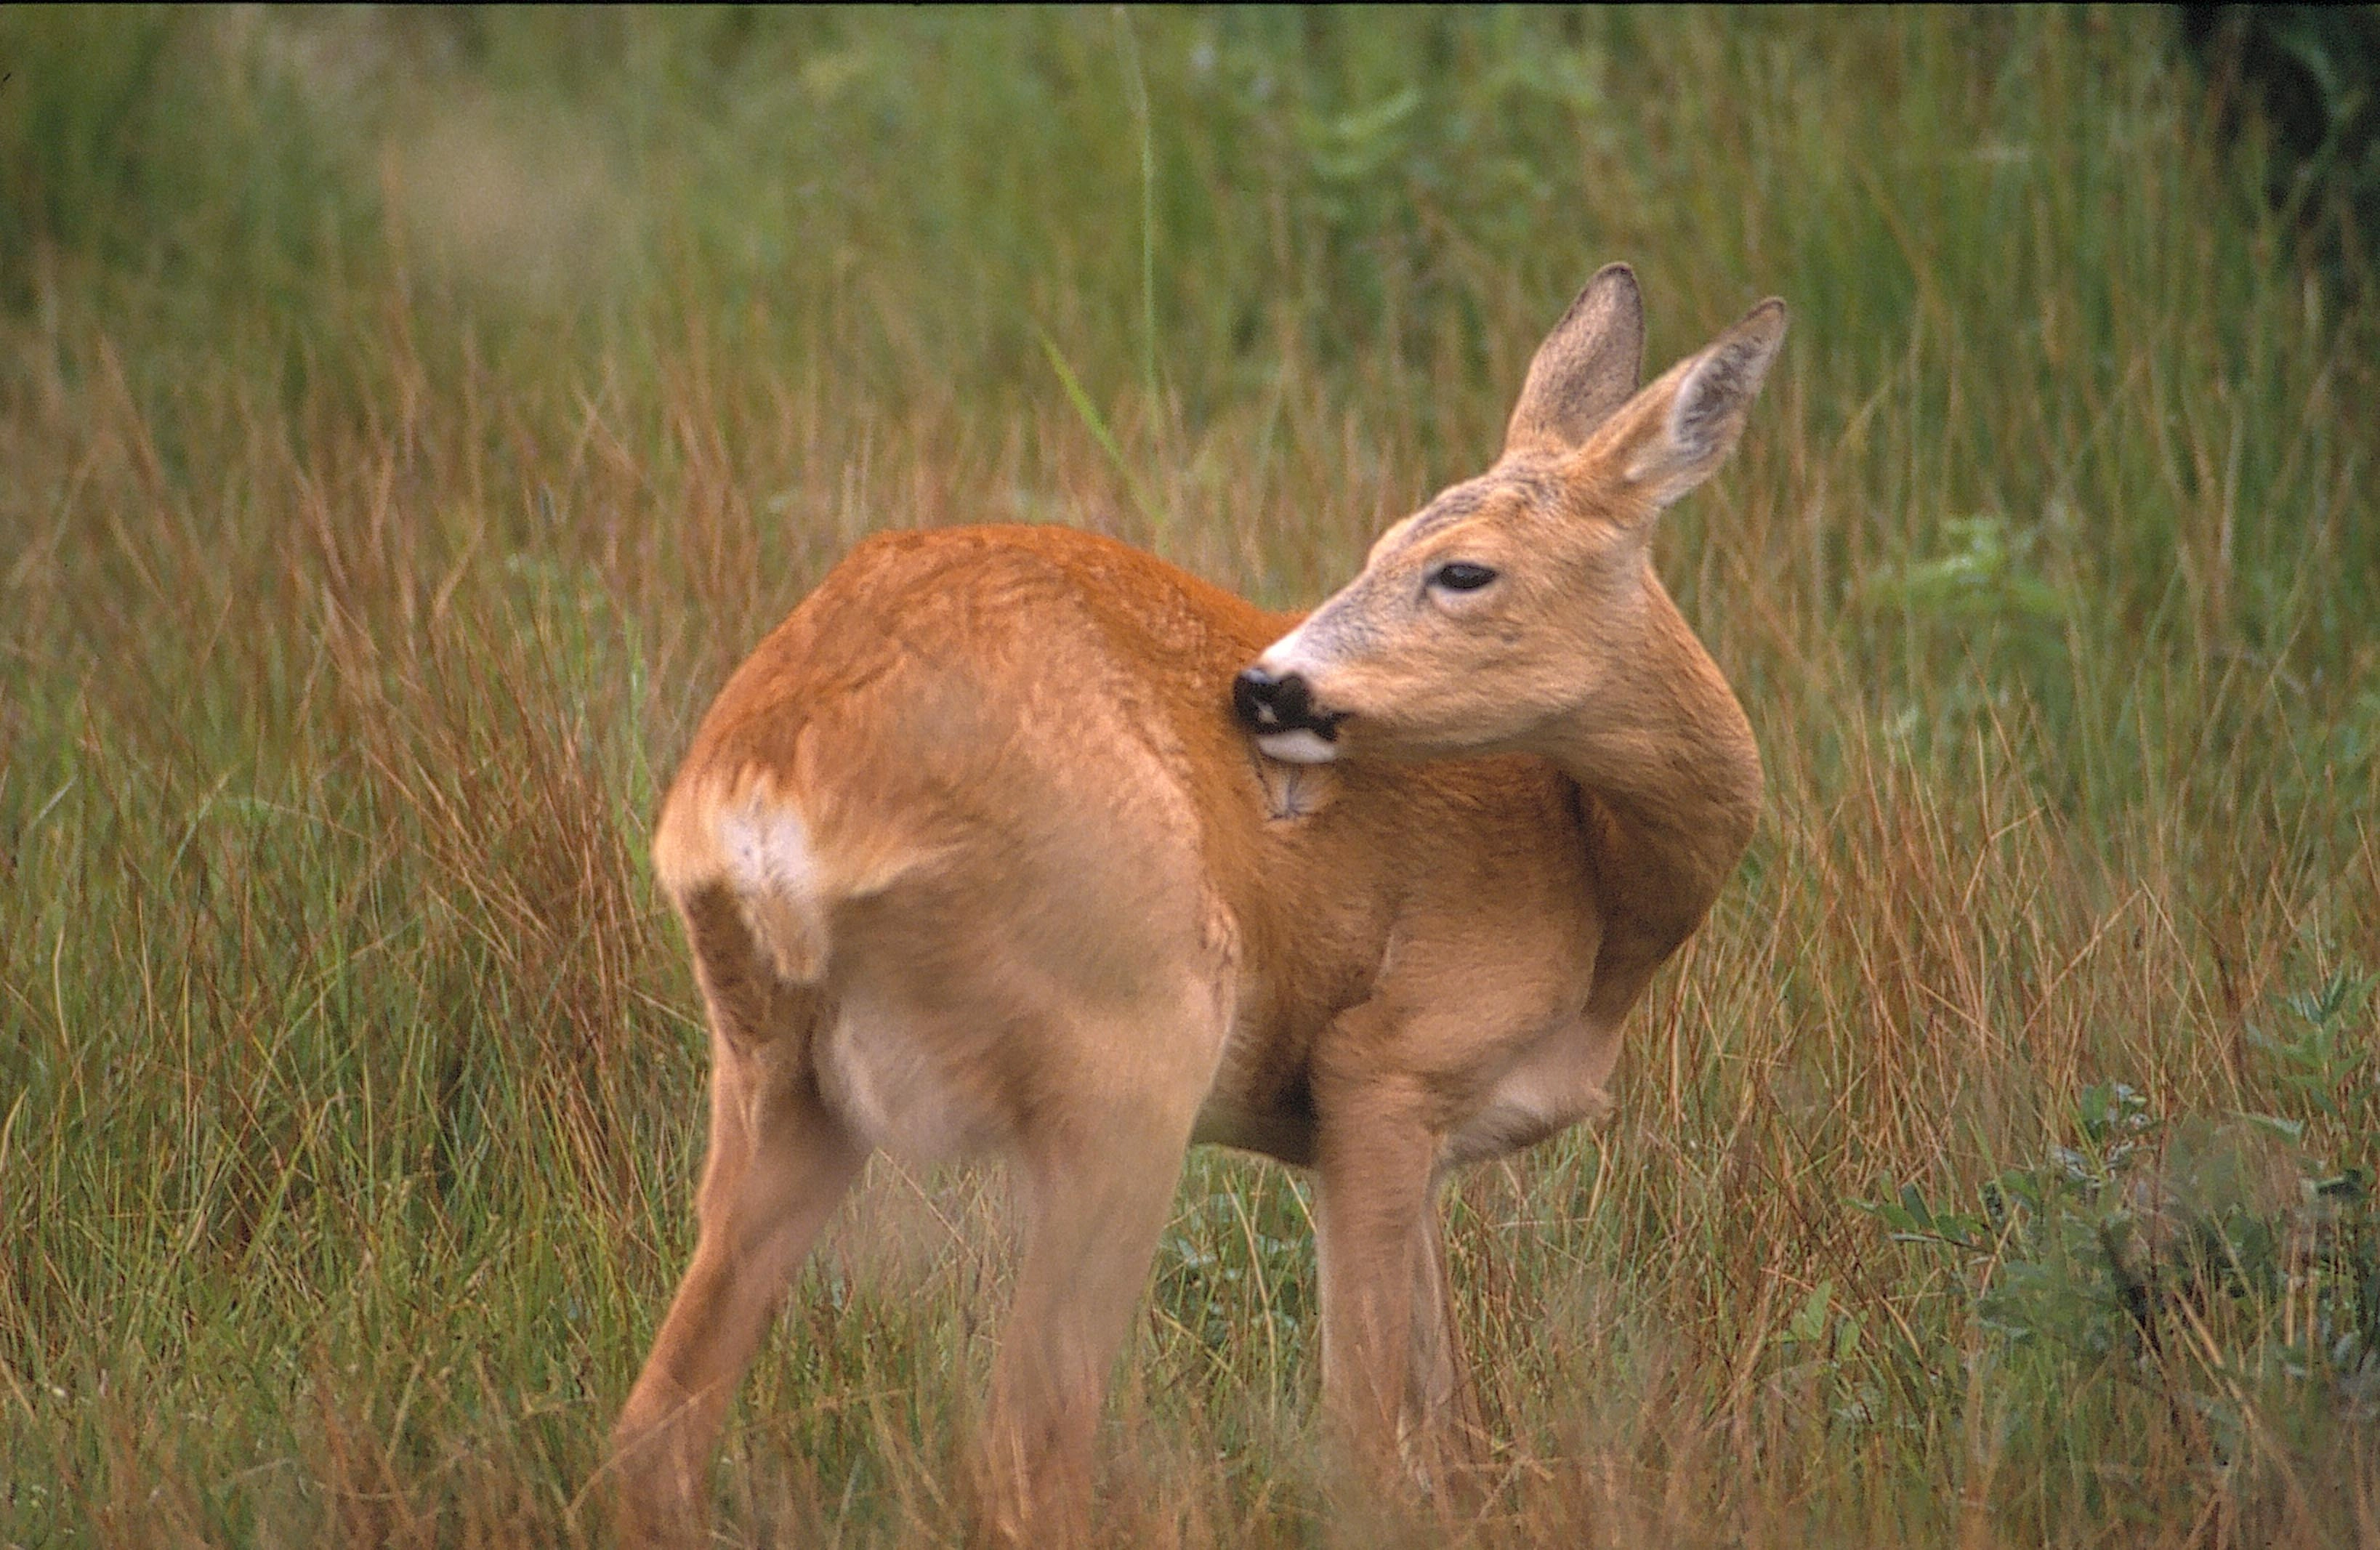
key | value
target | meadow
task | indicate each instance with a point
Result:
(407, 420)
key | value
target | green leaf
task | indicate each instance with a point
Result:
(2290, 1130)
(1808, 1326)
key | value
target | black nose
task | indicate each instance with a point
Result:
(1268, 703)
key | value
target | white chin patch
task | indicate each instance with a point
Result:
(1302, 746)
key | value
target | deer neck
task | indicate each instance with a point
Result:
(1669, 778)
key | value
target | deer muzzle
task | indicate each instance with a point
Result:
(1278, 711)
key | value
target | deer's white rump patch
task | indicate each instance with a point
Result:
(775, 874)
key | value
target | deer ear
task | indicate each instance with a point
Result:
(1587, 367)
(1672, 435)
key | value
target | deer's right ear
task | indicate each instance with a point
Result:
(1587, 367)
(1670, 436)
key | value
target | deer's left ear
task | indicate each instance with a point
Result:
(1668, 438)
(1587, 367)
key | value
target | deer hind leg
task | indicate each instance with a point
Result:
(1095, 1187)
(780, 1162)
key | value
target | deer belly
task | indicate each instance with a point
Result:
(1553, 1087)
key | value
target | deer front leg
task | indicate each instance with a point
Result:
(1383, 1391)
(1440, 1425)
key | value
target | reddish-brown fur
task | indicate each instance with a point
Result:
(974, 859)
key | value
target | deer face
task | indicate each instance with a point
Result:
(1512, 600)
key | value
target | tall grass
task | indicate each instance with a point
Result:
(407, 420)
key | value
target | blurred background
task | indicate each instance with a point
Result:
(408, 417)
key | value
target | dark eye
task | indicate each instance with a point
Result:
(1462, 577)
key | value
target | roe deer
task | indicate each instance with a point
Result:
(1017, 841)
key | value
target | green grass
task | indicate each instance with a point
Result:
(405, 422)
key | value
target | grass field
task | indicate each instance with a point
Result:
(407, 420)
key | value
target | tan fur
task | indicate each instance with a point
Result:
(974, 859)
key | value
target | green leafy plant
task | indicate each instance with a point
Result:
(2330, 1054)
(1240, 1258)
(1987, 576)
(2235, 1244)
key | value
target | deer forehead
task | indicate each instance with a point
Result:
(1510, 492)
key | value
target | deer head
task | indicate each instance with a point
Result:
(1517, 603)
